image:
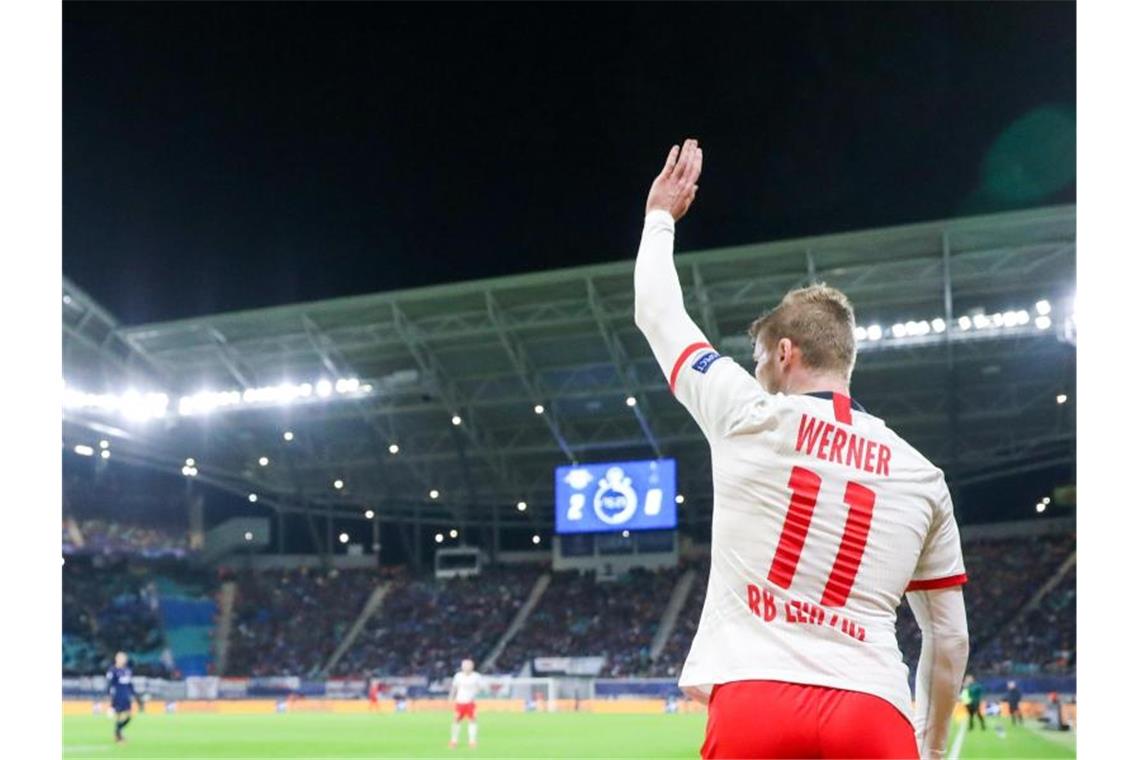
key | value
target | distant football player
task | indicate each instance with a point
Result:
(464, 686)
(1013, 699)
(974, 692)
(823, 518)
(121, 689)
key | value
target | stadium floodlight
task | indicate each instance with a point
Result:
(338, 484)
(860, 333)
(1011, 318)
(104, 444)
(287, 435)
(535, 539)
(680, 498)
(189, 461)
(522, 506)
(1043, 307)
(190, 471)
(964, 323)
(347, 385)
(369, 514)
(1046, 501)
(539, 408)
(1043, 323)
(324, 388)
(898, 330)
(343, 538)
(1040, 507)
(84, 451)
(105, 453)
(248, 536)
(625, 534)
(998, 320)
(433, 493)
(938, 325)
(253, 498)
(1062, 398)
(66, 298)
(1022, 317)
(981, 320)
(393, 449)
(439, 538)
(456, 420)
(453, 533)
(874, 332)
(263, 461)
(630, 401)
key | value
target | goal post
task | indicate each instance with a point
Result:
(539, 694)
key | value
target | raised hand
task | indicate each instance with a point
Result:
(674, 189)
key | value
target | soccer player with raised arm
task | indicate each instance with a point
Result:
(464, 686)
(121, 689)
(823, 518)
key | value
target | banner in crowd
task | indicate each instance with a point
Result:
(569, 666)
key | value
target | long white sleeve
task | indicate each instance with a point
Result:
(659, 304)
(941, 615)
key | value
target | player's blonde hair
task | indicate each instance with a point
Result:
(820, 322)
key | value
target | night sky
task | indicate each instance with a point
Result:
(225, 156)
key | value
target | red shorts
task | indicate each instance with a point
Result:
(779, 719)
(464, 710)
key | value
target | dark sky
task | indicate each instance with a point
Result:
(226, 156)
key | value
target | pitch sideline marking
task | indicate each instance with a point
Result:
(956, 746)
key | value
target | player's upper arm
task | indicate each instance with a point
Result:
(715, 389)
(940, 564)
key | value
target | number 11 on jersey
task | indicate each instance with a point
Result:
(860, 502)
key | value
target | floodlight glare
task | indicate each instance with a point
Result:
(1040, 507)
(324, 388)
(454, 533)
(1044, 307)
(369, 514)
(338, 484)
(104, 444)
(189, 461)
(1043, 323)
(860, 333)
(106, 454)
(898, 330)
(625, 534)
(263, 461)
(938, 324)
(1062, 398)
(248, 536)
(964, 323)
(522, 506)
(288, 435)
(456, 420)
(874, 332)
(433, 493)
(679, 498)
(539, 408)
(84, 451)
(630, 401)
(393, 449)
(344, 538)
(439, 538)
(535, 539)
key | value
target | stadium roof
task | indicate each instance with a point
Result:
(980, 401)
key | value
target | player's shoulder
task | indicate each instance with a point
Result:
(918, 466)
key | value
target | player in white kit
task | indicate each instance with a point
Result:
(822, 519)
(464, 686)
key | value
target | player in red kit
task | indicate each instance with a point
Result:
(823, 518)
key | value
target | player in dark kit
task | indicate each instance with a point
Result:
(974, 693)
(1013, 697)
(121, 688)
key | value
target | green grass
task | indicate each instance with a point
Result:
(313, 735)
(1024, 741)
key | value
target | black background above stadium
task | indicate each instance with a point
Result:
(234, 156)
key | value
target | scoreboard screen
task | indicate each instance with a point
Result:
(615, 496)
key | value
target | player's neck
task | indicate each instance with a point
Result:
(801, 383)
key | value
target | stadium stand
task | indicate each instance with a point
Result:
(266, 639)
(108, 537)
(426, 626)
(579, 617)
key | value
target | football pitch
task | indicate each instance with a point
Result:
(312, 735)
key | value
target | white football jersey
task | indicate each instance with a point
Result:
(822, 519)
(466, 686)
